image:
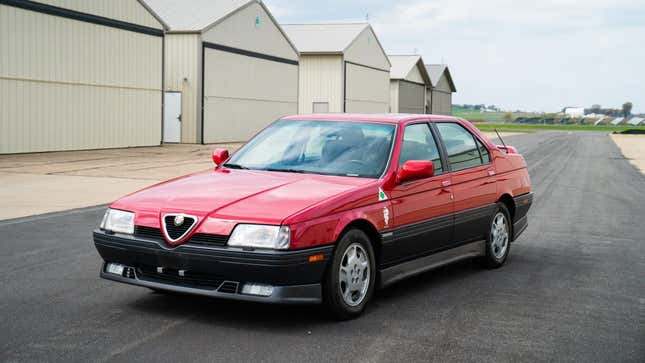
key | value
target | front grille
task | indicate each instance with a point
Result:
(200, 239)
(203, 239)
(170, 276)
(175, 232)
(148, 233)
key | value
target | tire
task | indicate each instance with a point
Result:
(498, 237)
(346, 296)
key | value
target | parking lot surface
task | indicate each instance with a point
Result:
(572, 289)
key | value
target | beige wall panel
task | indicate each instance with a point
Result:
(320, 80)
(72, 85)
(415, 76)
(183, 57)
(37, 46)
(244, 94)
(411, 98)
(441, 103)
(366, 50)
(40, 116)
(368, 90)
(443, 84)
(240, 31)
(130, 11)
(394, 96)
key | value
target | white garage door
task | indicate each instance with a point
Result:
(411, 97)
(367, 90)
(244, 93)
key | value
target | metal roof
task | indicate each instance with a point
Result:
(194, 15)
(323, 38)
(436, 71)
(402, 65)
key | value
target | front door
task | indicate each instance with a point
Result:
(172, 117)
(423, 220)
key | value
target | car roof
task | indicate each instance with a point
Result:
(395, 118)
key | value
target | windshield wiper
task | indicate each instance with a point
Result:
(287, 170)
(235, 166)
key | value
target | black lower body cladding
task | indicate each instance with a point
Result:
(204, 271)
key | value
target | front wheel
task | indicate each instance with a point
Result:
(498, 241)
(349, 281)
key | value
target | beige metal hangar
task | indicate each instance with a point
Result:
(343, 68)
(79, 75)
(229, 70)
(408, 83)
(440, 94)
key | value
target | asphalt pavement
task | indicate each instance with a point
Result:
(573, 289)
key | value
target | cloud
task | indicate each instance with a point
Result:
(535, 55)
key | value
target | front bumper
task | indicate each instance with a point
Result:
(215, 271)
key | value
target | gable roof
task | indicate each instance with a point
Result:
(194, 15)
(323, 38)
(402, 65)
(436, 71)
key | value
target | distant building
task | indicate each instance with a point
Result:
(574, 111)
(439, 97)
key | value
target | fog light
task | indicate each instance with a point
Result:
(115, 268)
(257, 289)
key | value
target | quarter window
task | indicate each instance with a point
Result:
(460, 144)
(418, 144)
(483, 151)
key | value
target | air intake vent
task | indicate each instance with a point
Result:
(178, 225)
(228, 287)
(203, 239)
(148, 233)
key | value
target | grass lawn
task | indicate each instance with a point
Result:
(509, 127)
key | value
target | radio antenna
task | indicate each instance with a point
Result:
(500, 138)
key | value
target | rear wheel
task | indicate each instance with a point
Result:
(349, 281)
(498, 241)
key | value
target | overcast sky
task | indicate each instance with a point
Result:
(517, 54)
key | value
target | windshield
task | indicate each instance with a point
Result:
(359, 149)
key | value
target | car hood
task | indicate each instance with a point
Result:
(241, 195)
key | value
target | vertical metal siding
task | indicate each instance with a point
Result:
(182, 74)
(442, 98)
(411, 97)
(368, 90)
(394, 96)
(243, 94)
(67, 84)
(321, 80)
(241, 31)
(366, 50)
(130, 11)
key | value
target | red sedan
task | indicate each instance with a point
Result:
(323, 209)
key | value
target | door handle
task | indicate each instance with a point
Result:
(491, 172)
(446, 183)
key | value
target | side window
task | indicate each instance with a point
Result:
(460, 144)
(418, 144)
(483, 151)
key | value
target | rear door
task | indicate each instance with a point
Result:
(422, 208)
(473, 181)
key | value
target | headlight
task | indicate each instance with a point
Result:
(260, 236)
(118, 221)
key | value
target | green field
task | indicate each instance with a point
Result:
(531, 127)
(476, 116)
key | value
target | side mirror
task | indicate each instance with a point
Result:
(507, 149)
(415, 169)
(220, 156)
